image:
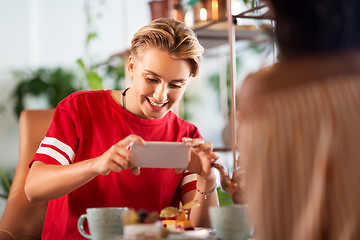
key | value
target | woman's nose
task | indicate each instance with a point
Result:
(160, 94)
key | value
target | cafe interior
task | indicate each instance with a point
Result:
(54, 48)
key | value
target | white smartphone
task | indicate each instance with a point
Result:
(161, 155)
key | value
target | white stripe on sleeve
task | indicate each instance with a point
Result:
(54, 154)
(60, 145)
(188, 178)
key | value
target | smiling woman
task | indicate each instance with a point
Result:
(88, 143)
(156, 89)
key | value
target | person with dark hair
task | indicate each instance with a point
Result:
(306, 27)
(299, 126)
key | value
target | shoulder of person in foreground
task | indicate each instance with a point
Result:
(256, 85)
(280, 76)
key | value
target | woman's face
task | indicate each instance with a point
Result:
(159, 82)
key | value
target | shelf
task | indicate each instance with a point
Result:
(261, 12)
(254, 24)
(214, 34)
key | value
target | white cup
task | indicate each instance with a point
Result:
(230, 222)
(104, 223)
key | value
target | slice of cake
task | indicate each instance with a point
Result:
(185, 225)
(169, 223)
(179, 224)
(177, 220)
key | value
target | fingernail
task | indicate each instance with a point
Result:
(186, 139)
(216, 155)
(178, 170)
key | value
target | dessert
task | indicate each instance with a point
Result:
(142, 225)
(169, 223)
(185, 225)
(176, 220)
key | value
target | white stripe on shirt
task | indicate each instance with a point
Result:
(54, 154)
(60, 145)
(189, 178)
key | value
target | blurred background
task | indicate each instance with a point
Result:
(49, 49)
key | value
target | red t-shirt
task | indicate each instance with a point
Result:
(85, 125)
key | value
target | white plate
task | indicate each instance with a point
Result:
(198, 233)
(193, 234)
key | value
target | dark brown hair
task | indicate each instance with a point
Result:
(316, 26)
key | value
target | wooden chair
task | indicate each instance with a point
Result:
(21, 219)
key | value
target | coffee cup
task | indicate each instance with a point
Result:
(103, 223)
(230, 222)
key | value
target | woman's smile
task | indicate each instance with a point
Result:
(159, 82)
(156, 106)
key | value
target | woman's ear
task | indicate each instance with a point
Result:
(131, 67)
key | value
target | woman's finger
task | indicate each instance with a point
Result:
(186, 139)
(214, 156)
(125, 154)
(194, 142)
(113, 166)
(135, 170)
(131, 139)
(179, 170)
(205, 147)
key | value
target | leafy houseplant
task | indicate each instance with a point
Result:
(5, 180)
(51, 84)
(225, 198)
(54, 84)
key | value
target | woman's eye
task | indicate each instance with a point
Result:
(175, 86)
(152, 80)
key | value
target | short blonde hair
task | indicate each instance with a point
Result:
(171, 35)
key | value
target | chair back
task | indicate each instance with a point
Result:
(23, 219)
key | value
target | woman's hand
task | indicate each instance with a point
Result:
(46, 181)
(201, 160)
(118, 157)
(202, 157)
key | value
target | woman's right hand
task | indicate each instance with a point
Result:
(46, 181)
(118, 157)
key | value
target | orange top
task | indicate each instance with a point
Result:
(300, 147)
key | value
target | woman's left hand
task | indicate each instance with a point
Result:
(202, 157)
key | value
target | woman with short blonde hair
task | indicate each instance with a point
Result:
(85, 160)
(170, 35)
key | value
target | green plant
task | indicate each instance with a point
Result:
(224, 197)
(6, 180)
(214, 81)
(89, 70)
(51, 84)
(192, 2)
(251, 3)
(55, 84)
(256, 48)
(188, 99)
(113, 68)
